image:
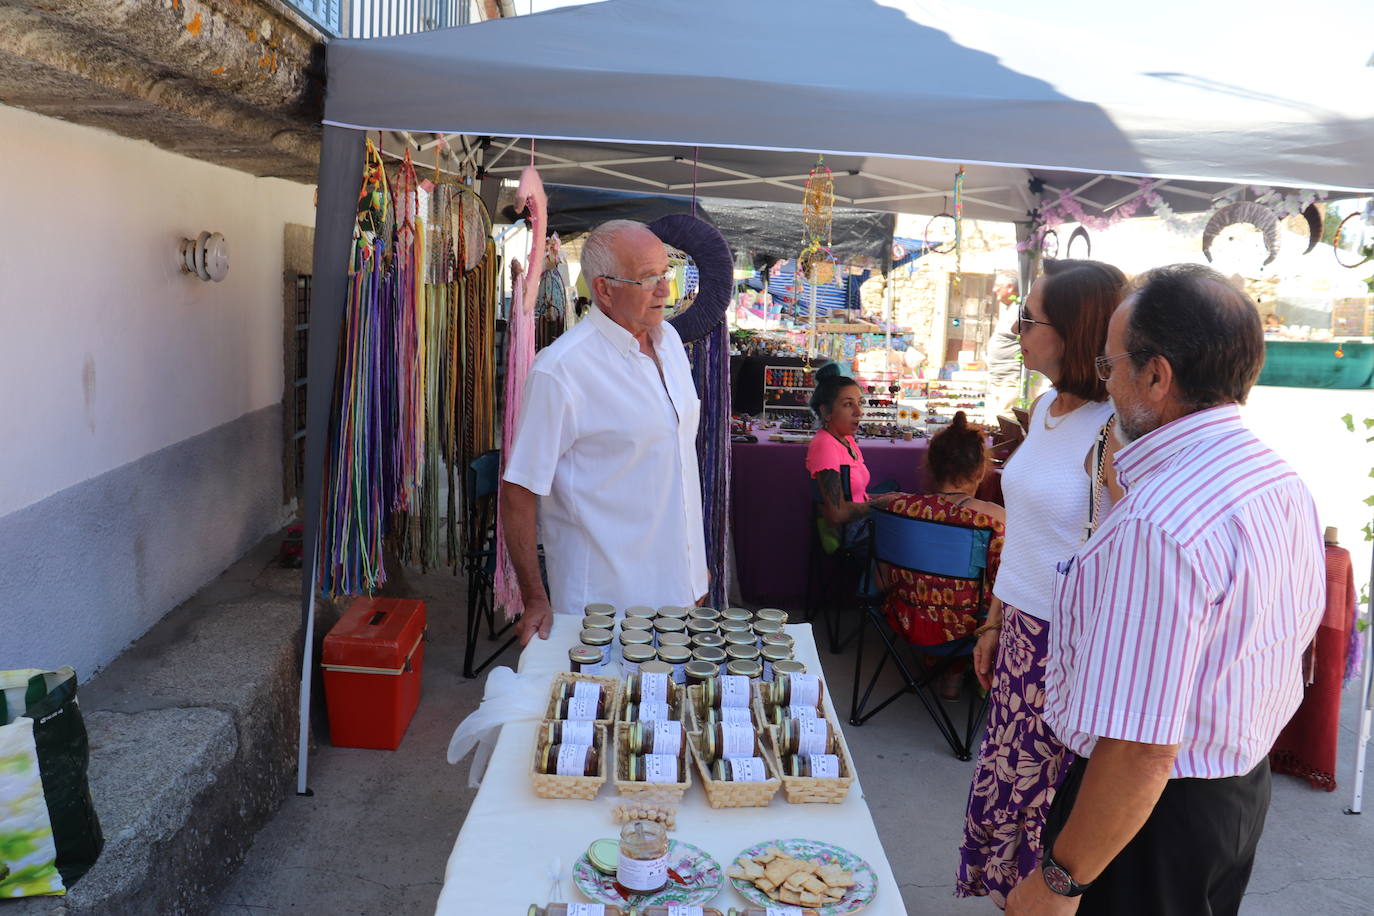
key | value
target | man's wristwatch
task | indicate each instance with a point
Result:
(1058, 879)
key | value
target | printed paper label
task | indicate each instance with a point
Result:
(660, 768)
(777, 911)
(811, 735)
(824, 766)
(667, 737)
(653, 688)
(596, 909)
(582, 708)
(801, 712)
(572, 759)
(591, 668)
(748, 769)
(587, 690)
(578, 733)
(736, 716)
(806, 690)
(734, 690)
(653, 712)
(736, 740)
(678, 910)
(642, 874)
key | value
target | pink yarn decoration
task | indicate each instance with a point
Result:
(519, 355)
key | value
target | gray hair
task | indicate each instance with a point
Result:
(599, 256)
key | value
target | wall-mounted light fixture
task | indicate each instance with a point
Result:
(206, 256)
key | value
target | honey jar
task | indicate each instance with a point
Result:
(820, 766)
(643, 866)
(570, 760)
(674, 639)
(742, 653)
(597, 637)
(745, 668)
(674, 611)
(678, 657)
(731, 715)
(708, 641)
(665, 737)
(725, 741)
(739, 769)
(636, 638)
(806, 737)
(584, 909)
(730, 690)
(764, 628)
(664, 625)
(711, 655)
(639, 610)
(636, 623)
(574, 731)
(697, 628)
(584, 702)
(699, 672)
(632, 657)
(656, 768)
(744, 637)
(770, 656)
(679, 909)
(778, 639)
(651, 684)
(586, 659)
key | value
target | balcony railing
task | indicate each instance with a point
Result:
(379, 18)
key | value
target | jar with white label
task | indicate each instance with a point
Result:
(636, 638)
(678, 657)
(665, 737)
(570, 760)
(732, 715)
(775, 910)
(643, 867)
(781, 714)
(730, 690)
(656, 768)
(740, 769)
(724, 741)
(633, 657)
(679, 909)
(586, 660)
(770, 656)
(570, 732)
(585, 700)
(807, 736)
(652, 683)
(583, 909)
(819, 766)
(791, 689)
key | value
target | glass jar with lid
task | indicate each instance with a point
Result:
(697, 628)
(570, 731)
(570, 760)
(598, 622)
(738, 614)
(730, 690)
(655, 768)
(770, 656)
(741, 638)
(674, 639)
(699, 672)
(630, 622)
(807, 736)
(712, 655)
(586, 659)
(735, 626)
(675, 611)
(585, 700)
(725, 740)
(744, 653)
(652, 683)
(708, 614)
(731, 715)
(779, 639)
(771, 614)
(819, 766)
(636, 638)
(764, 628)
(669, 625)
(739, 769)
(791, 689)
(640, 610)
(678, 657)
(607, 610)
(708, 641)
(643, 867)
(745, 668)
(679, 909)
(583, 909)
(667, 737)
(596, 637)
(632, 657)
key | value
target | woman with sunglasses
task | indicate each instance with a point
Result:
(1049, 493)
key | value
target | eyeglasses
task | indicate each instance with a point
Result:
(1023, 318)
(1104, 363)
(647, 282)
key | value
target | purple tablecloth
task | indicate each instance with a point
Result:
(771, 509)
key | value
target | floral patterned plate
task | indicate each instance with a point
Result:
(693, 877)
(854, 900)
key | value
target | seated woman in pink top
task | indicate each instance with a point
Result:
(834, 456)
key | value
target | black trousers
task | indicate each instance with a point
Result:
(1191, 858)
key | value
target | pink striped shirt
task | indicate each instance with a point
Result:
(1183, 620)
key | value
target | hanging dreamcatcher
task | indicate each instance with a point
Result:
(1351, 244)
(374, 208)
(816, 263)
(958, 227)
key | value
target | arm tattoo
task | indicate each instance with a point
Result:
(829, 483)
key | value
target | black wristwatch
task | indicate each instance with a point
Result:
(1058, 879)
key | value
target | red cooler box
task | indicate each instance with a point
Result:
(372, 660)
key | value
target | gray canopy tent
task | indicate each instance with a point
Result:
(640, 94)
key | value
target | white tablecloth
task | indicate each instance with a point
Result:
(500, 862)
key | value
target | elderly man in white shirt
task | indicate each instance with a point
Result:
(607, 437)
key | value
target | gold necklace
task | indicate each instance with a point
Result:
(1045, 418)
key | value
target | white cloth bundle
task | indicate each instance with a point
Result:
(509, 697)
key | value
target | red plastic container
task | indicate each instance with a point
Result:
(372, 660)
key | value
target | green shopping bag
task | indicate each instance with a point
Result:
(49, 833)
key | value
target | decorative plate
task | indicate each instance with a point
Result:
(854, 900)
(694, 877)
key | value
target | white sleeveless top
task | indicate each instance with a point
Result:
(1045, 489)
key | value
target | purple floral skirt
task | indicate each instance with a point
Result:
(1020, 765)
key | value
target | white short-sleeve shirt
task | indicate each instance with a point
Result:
(611, 448)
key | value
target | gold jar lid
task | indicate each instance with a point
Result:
(700, 670)
(708, 640)
(741, 638)
(744, 668)
(639, 654)
(775, 654)
(704, 613)
(777, 639)
(696, 626)
(598, 622)
(770, 614)
(636, 638)
(656, 666)
(670, 625)
(674, 655)
(710, 654)
(639, 610)
(735, 626)
(767, 627)
(636, 623)
(674, 611)
(788, 666)
(674, 639)
(596, 637)
(586, 655)
(747, 653)
(607, 609)
(742, 614)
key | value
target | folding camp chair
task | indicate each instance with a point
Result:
(832, 575)
(934, 548)
(481, 480)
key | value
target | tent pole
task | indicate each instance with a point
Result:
(811, 350)
(341, 159)
(887, 311)
(1362, 748)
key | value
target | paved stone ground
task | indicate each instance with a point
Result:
(375, 837)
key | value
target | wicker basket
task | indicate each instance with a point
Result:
(721, 794)
(611, 685)
(801, 790)
(652, 793)
(677, 702)
(696, 707)
(547, 785)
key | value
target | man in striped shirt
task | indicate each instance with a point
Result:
(1176, 654)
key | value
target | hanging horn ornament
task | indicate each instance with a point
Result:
(1314, 226)
(1079, 233)
(1245, 211)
